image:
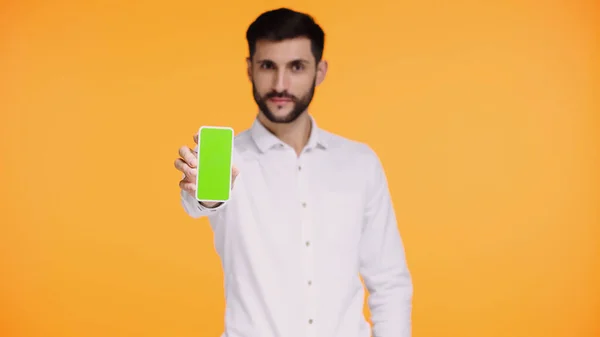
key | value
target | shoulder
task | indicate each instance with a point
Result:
(352, 149)
(357, 158)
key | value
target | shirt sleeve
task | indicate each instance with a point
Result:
(194, 209)
(383, 265)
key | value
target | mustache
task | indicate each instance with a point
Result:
(283, 94)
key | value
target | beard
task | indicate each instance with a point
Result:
(300, 104)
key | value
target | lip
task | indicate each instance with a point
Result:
(280, 100)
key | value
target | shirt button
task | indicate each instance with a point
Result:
(309, 283)
(310, 321)
(299, 168)
(304, 204)
(307, 243)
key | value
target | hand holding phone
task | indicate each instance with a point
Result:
(209, 174)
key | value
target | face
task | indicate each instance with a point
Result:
(284, 76)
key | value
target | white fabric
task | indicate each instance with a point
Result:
(297, 233)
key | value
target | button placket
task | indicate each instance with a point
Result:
(308, 247)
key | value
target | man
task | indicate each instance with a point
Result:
(310, 212)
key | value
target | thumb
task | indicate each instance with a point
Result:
(234, 173)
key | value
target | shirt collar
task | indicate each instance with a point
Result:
(265, 140)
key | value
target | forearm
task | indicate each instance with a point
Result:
(390, 302)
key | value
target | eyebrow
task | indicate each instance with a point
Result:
(292, 61)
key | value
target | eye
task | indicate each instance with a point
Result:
(297, 66)
(267, 65)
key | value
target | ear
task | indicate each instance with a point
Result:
(249, 68)
(321, 71)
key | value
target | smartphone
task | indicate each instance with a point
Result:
(215, 160)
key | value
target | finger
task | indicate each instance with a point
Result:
(182, 166)
(187, 186)
(234, 173)
(187, 155)
(190, 178)
(196, 138)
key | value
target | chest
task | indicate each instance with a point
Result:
(316, 199)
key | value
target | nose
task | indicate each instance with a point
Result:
(281, 80)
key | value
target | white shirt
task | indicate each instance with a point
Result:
(297, 234)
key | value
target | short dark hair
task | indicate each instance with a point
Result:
(282, 24)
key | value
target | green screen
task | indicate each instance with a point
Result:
(214, 164)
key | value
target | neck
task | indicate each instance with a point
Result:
(294, 134)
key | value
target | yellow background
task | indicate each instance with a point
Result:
(484, 113)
